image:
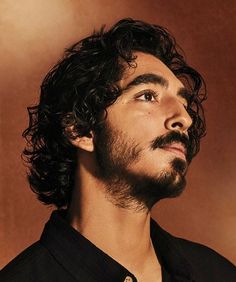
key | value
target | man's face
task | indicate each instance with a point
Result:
(142, 151)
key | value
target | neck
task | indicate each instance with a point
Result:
(124, 234)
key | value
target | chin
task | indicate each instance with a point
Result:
(150, 190)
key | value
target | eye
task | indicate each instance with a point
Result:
(147, 96)
(184, 103)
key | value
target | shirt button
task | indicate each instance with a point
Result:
(128, 279)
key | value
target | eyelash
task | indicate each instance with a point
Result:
(154, 95)
(147, 92)
(186, 106)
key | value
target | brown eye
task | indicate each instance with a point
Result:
(148, 96)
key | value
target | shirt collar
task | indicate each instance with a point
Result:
(85, 261)
(171, 254)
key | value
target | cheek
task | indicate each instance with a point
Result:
(143, 125)
(146, 126)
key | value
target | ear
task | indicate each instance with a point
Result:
(82, 142)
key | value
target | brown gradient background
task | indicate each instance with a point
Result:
(33, 35)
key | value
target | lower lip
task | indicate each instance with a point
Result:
(177, 152)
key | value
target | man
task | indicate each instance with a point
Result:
(119, 120)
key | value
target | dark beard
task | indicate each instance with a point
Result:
(114, 153)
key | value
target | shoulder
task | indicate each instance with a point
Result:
(206, 262)
(34, 264)
(23, 264)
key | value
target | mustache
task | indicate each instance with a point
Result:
(174, 136)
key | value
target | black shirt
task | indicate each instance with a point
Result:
(62, 254)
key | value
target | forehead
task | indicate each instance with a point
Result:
(146, 63)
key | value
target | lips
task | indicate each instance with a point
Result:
(176, 148)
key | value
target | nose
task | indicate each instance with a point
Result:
(178, 119)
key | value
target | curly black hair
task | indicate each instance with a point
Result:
(79, 88)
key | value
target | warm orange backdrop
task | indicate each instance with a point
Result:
(33, 35)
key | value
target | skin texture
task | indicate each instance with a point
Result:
(124, 233)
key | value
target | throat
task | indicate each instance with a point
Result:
(125, 241)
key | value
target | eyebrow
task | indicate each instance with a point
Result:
(156, 79)
(147, 78)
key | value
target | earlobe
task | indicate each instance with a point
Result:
(84, 142)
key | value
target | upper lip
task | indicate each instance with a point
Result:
(177, 146)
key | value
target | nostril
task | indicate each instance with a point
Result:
(177, 125)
